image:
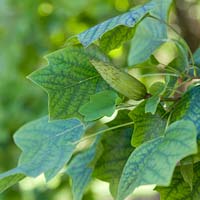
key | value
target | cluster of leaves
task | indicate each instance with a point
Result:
(39, 27)
(146, 142)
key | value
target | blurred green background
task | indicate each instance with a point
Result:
(30, 29)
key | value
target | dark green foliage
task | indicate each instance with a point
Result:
(179, 189)
(69, 81)
(116, 150)
(144, 124)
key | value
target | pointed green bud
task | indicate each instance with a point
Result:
(121, 81)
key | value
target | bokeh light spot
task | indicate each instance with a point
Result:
(122, 5)
(116, 53)
(45, 9)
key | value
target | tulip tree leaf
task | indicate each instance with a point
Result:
(129, 19)
(146, 125)
(100, 105)
(116, 150)
(179, 189)
(154, 161)
(150, 33)
(47, 146)
(188, 108)
(80, 170)
(69, 80)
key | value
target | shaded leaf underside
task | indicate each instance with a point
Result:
(128, 19)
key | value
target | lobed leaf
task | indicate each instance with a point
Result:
(146, 125)
(100, 105)
(70, 79)
(47, 146)
(154, 161)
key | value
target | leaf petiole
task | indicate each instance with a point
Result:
(103, 131)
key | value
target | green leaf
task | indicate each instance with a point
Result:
(116, 150)
(10, 178)
(181, 62)
(156, 90)
(80, 170)
(129, 19)
(196, 59)
(152, 104)
(179, 189)
(170, 82)
(47, 146)
(187, 173)
(188, 108)
(100, 105)
(69, 80)
(196, 56)
(150, 34)
(154, 161)
(192, 159)
(121, 33)
(146, 125)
